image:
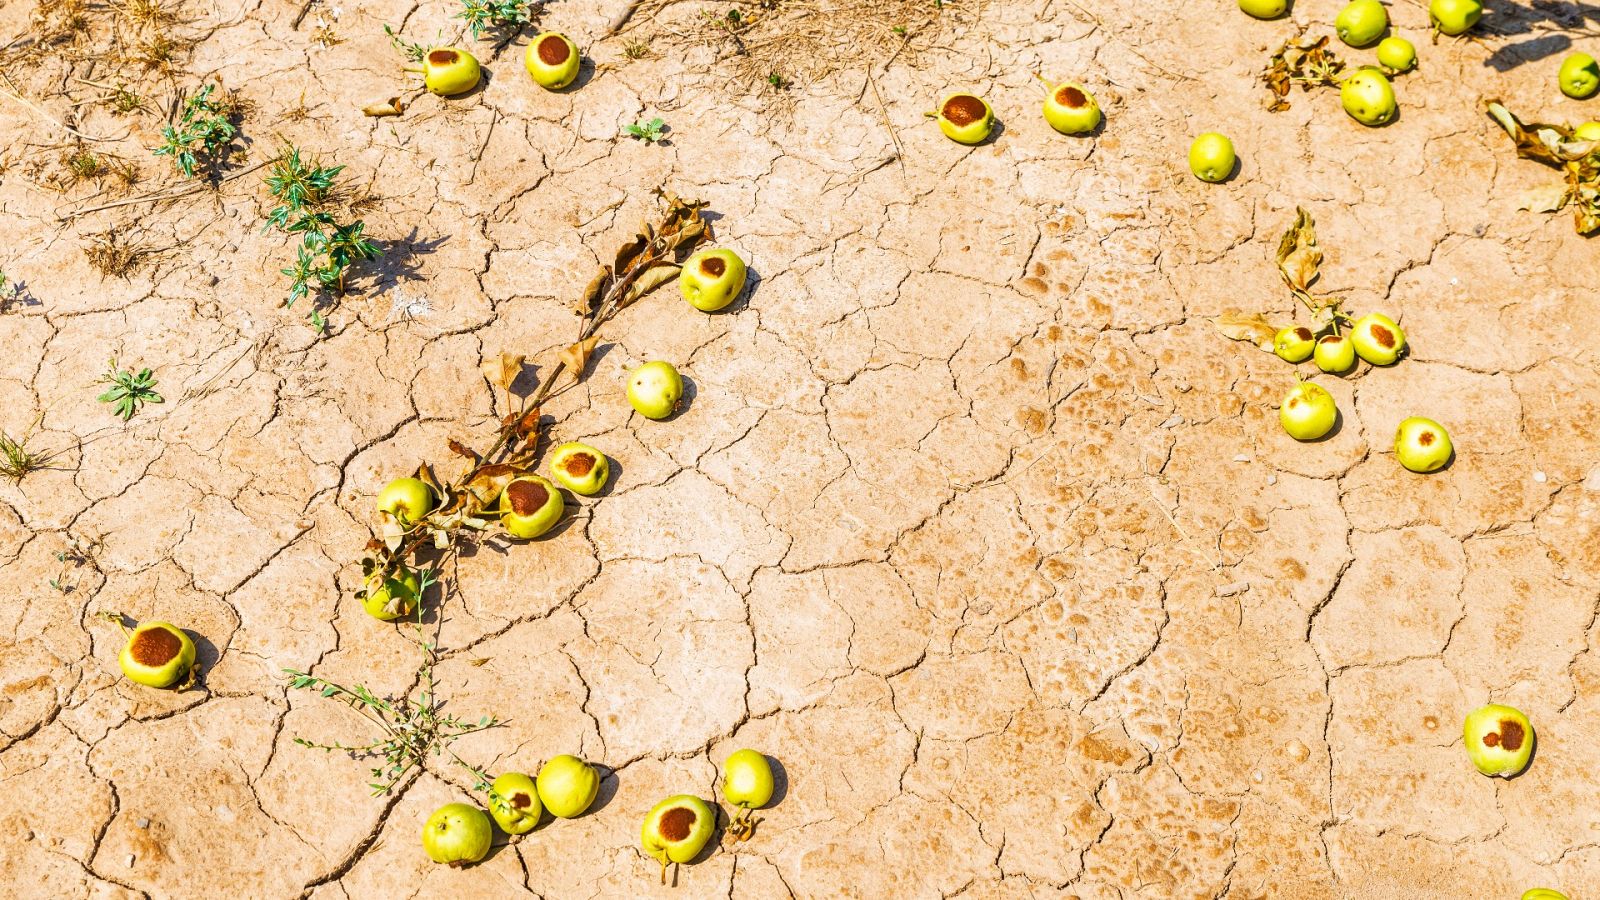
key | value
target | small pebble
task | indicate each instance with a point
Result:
(143, 823)
(1272, 479)
(1228, 590)
(1539, 477)
(1592, 483)
(1174, 420)
(130, 860)
(1241, 458)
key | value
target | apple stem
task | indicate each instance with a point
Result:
(663, 871)
(417, 69)
(1048, 86)
(931, 115)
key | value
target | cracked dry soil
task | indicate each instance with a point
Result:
(974, 522)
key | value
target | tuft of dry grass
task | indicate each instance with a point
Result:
(57, 22)
(113, 255)
(82, 165)
(152, 14)
(17, 458)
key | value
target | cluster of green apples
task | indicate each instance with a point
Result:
(1308, 411)
(459, 834)
(1069, 108)
(552, 59)
(678, 828)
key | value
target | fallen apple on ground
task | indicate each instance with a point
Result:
(1361, 22)
(393, 597)
(1422, 445)
(530, 506)
(514, 803)
(580, 468)
(676, 830)
(964, 118)
(1211, 157)
(1397, 54)
(1264, 9)
(1579, 76)
(1543, 894)
(1377, 339)
(450, 70)
(407, 499)
(1070, 108)
(1368, 97)
(1308, 412)
(1499, 739)
(1334, 354)
(747, 782)
(157, 654)
(1294, 344)
(567, 786)
(712, 279)
(553, 61)
(1588, 131)
(457, 834)
(654, 389)
(1454, 17)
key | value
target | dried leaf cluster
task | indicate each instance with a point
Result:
(1555, 146)
(1299, 263)
(466, 507)
(1308, 63)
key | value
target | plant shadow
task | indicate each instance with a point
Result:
(1553, 25)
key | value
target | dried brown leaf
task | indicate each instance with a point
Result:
(649, 280)
(1252, 327)
(503, 370)
(1298, 254)
(576, 356)
(488, 481)
(595, 292)
(629, 253)
(1549, 198)
(389, 107)
(461, 449)
(528, 426)
(1301, 61)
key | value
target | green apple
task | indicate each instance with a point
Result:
(567, 786)
(552, 60)
(157, 654)
(964, 118)
(393, 597)
(407, 499)
(1377, 339)
(457, 834)
(747, 779)
(1397, 54)
(1334, 354)
(530, 506)
(450, 70)
(1211, 157)
(514, 803)
(1294, 344)
(1071, 109)
(712, 279)
(1368, 96)
(677, 829)
(1361, 22)
(654, 389)
(1422, 445)
(1308, 412)
(1499, 739)
(1264, 9)
(1588, 131)
(1454, 16)
(1580, 76)
(580, 468)
(1543, 894)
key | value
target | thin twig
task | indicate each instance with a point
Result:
(48, 118)
(158, 196)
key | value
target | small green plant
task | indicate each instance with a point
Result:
(410, 728)
(483, 15)
(637, 50)
(202, 133)
(649, 132)
(83, 164)
(412, 51)
(125, 101)
(129, 390)
(9, 292)
(777, 80)
(75, 557)
(16, 457)
(327, 249)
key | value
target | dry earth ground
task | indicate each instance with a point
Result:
(974, 522)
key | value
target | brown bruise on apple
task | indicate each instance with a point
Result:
(964, 109)
(1302, 333)
(714, 265)
(578, 465)
(553, 51)
(1511, 734)
(1071, 97)
(676, 823)
(521, 800)
(1294, 401)
(1426, 439)
(1383, 336)
(527, 497)
(443, 57)
(154, 647)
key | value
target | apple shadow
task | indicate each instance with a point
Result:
(609, 784)
(612, 477)
(752, 281)
(995, 130)
(586, 74)
(1338, 426)
(206, 656)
